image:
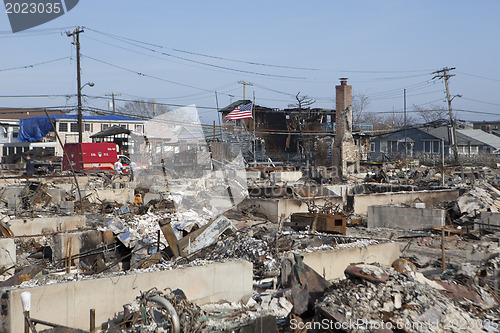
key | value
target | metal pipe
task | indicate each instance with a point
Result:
(176, 325)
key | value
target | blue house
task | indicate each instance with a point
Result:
(429, 141)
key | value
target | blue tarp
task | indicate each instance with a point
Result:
(34, 129)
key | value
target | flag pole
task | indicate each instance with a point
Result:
(254, 137)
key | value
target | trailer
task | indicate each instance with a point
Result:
(90, 156)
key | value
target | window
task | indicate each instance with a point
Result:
(392, 146)
(435, 147)
(87, 127)
(74, 127)
(372, 147)
(139, 128)
(63, 127)
(432, 146)
(123, 126)
(464, 150)
(104, 126)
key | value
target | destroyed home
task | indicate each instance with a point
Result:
(299, 136)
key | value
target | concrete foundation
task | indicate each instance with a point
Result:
(405, 218)
(57, 195)
(490, 219)
(10, 192)
(431, 198)
(273, 209)
(254, 175)
(120, 195)
(81, 241)
(40, 225)
(286, 176)
(331, 264)
(69, 303)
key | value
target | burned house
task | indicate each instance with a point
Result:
(295, 136)
(298, 136)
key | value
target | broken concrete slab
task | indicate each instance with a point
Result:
(7, 253)
(405, 218)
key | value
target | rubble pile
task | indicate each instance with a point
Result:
(403, 302)
(243, 246)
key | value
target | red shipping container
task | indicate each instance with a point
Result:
(90, 156)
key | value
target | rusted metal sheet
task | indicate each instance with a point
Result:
(368, 272)
(5, 230)
(169, 234)
(319, 222)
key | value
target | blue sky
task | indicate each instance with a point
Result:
(382, 46)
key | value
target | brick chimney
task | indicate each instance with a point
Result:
(343, 98)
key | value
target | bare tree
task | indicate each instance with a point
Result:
(302, 102)
(359, 103)
(141, 108)
(432, 114)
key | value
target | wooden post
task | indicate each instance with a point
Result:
(443, 264)
(92, 320)
(26, 322)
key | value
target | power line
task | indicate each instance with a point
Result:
(204, 55)
(475, 100)
(479, 76)
(146, 75)
(389, 72)
(208, 64)
(34, 65)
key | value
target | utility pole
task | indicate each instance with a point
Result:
(113, 100)
(254, 137)
(443, 74)
(76, 41)
(406, 148)
(245, 84)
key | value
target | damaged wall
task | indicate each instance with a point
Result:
(431, 198)
(331, 264)
(405, 218)
(37, 226)
(66, 303)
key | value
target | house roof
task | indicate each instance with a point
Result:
(110, 131)
(234, 105)
(462, 138)
(111, 117)
(23, 113)
(482, 136)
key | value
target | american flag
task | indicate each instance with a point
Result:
(241, 112)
